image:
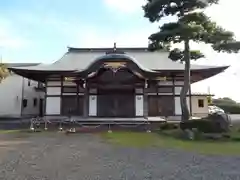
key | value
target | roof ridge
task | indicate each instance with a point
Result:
(106, 49)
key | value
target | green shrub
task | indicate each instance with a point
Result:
(168, 126)
(214, 123)
(201, 125)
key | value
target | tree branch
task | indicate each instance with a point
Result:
(178, 55)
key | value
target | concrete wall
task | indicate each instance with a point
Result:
(12, 93)
(199, 111)
(196, 110)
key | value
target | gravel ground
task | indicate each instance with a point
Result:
(87, 157)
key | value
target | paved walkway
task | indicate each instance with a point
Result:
(87, 157)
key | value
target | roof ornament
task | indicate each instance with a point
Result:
(114, 47)
(114, 50)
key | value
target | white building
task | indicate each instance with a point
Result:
(20, 96)
(105, 82)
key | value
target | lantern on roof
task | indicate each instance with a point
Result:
(209, 100)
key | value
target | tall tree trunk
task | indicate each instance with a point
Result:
(185, 89)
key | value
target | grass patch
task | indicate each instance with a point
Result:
(24, 133)
(132, 139)
(12, 131)
(171, 139)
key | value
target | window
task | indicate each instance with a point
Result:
(24, 103)
(35, 102)
(201, 103)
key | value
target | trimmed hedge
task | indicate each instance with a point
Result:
(214, 123)
(168, 126)
(204, 126)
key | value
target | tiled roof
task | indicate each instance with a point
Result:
(78, 59)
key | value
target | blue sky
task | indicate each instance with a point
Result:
(40, 31)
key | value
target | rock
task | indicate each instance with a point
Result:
(221, 121)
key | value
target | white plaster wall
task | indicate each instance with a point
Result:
(178, 90)
(11, 96)
(53, 83)
(53, 106)
(53, 90)
(139, 105)
(178, 109)
(93, 105)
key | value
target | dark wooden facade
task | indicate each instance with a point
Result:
(116, 94)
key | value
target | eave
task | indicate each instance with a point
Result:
(196, 75)
(38, 75)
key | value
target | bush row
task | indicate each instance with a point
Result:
(231, 109)
(204, 126)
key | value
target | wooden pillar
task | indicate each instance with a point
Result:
(174, 94)
(190, 99)
(78, 107)
(61, 96)
(145, 101)
(45, 96)
(85, 101)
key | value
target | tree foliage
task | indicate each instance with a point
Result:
(3, 72)
(192, 25)
(225, 101)
(227, 104)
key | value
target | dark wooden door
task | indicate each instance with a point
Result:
(153, 106)
(115, 103)
(166, 105)
(160, 106)
(72, 105)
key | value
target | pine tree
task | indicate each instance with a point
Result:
(192, 25)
